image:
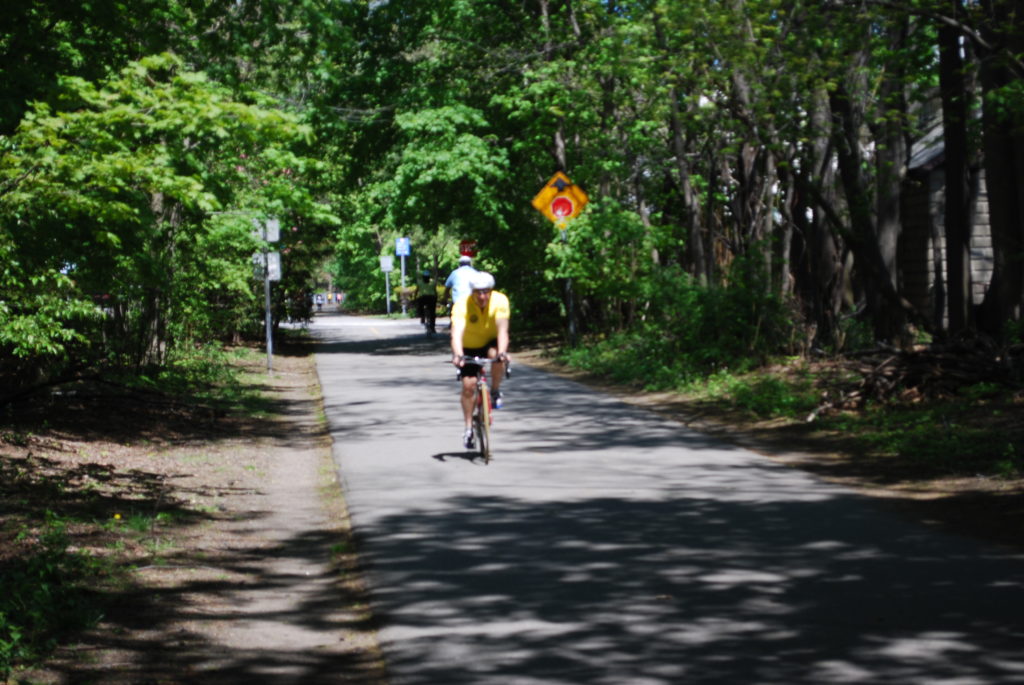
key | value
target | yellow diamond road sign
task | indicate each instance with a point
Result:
(560, 199)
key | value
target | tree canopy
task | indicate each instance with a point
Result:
(751, 166)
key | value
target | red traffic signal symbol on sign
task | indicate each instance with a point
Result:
(560, 199)
(563, 207)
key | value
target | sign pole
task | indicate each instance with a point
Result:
(402, 250)
(403, 298)
(268, 231)
(569, 304)
(387, 265)
(266, 298)
(561, 201)
(271, 234)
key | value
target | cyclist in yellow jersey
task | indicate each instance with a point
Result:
(480, 329)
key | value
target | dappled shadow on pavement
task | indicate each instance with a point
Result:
(608, 546)
(587, 420)
(402, 344)
(611, 590)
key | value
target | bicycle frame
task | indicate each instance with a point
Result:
(483, 416)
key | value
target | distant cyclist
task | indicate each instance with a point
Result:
(479, 329)
(456, 286)
(426, 301)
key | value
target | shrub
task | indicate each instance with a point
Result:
(43, 595)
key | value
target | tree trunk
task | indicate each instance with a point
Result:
(558, 137)
(753, 201)
(957, 194)
(891, 156)
(820, 278)
(876, 280)
(697, 252)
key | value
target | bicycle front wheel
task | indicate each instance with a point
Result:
(483, 424)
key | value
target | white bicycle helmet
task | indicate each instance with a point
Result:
(482, 281)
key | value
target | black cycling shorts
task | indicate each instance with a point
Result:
(473, 370)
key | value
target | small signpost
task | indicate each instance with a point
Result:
(561, 201)
(402, 250)
(269, 265)
(387, 265)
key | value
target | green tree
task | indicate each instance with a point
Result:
(127, 210)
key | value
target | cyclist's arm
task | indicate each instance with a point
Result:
(449, 283)
(502, 325)
(458, 328)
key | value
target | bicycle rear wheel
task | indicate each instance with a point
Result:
(482, 424)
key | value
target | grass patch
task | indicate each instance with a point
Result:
(762, 395)
(950, 438)
(47, 593)
(220, 378)
(977, 432)
(631, 360)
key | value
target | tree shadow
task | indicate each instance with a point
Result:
(173, 633)
(695, 590)
(731, 572)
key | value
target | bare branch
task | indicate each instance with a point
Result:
(968, 31)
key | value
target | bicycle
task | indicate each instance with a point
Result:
(483, 407)
(426, 309)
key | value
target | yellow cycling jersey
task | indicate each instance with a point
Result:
(481, 327)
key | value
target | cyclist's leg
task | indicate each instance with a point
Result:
(482, 421)
(431, 313)
(467, 378)
(497, 368)
(466, 399)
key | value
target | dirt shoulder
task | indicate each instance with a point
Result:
(981, 507)
(236, 528)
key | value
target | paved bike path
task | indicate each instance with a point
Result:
(605, 545)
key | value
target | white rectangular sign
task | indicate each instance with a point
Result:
(274, 263)
(273, 232)
(269, 230)
(259, 262)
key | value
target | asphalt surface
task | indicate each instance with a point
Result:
(606, 545)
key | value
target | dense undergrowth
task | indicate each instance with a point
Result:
(974, 430)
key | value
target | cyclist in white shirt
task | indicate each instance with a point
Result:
(457, 286)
